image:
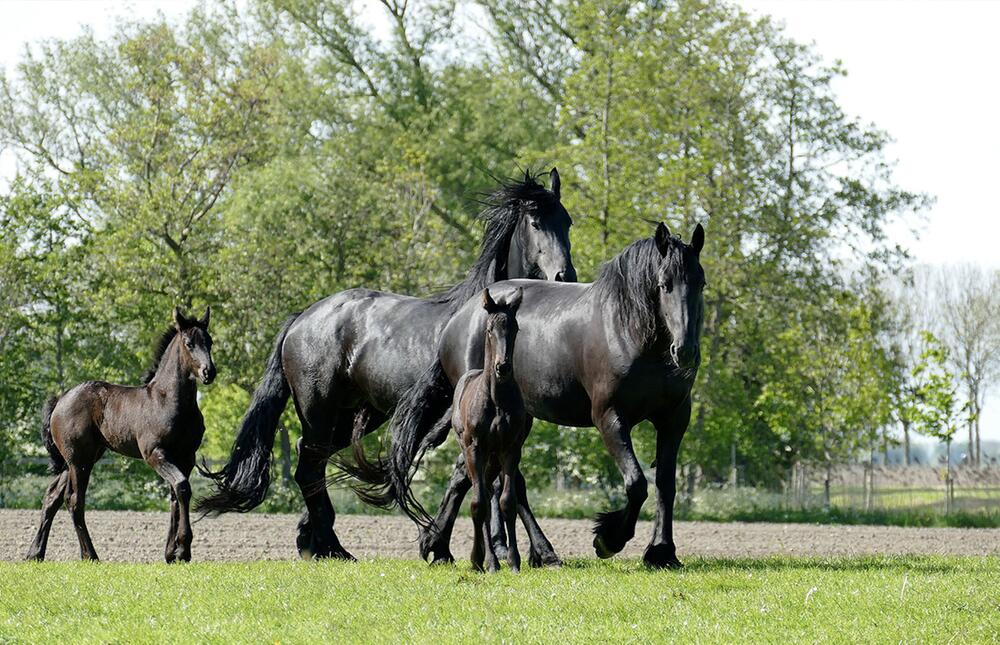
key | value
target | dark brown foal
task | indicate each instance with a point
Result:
(158, 422)
(489, 418)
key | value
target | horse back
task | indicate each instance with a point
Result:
(362, 345)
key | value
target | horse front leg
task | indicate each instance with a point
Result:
(614, 529)
(178, 480)
(661, 552)
(170, 552)
(508, 506)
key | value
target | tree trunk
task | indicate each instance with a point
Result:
(605, 215)
(826, 484)
(979, 454)
(906, 442)
(970, 457)
(733, 474)
(947, 478)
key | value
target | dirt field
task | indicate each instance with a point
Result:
(133, 536)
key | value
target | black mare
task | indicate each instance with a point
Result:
(608, 354)
(347, 359)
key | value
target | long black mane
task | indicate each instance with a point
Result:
(629, 280)
(161, 349)
(502, 210)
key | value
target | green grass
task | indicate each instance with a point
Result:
(897, 599)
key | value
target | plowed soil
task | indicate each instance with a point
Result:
(140, 537)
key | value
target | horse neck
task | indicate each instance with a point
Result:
(172, 376)
(622, 337)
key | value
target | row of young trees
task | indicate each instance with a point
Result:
(259, 157)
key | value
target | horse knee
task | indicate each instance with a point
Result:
(508, 504)
(183, 491)
(307, 474)
(636, 489)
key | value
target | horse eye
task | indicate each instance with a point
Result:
(534, 224)
(668, 285)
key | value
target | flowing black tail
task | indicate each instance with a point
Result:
(421, 422)
(57, 463)
(242, 483)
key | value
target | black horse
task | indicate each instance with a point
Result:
(347, 359)
(609, 354)
(158, 422)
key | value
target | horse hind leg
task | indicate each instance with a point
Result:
(79, 479)
(540, 551)
(51, 504)
(317, 537)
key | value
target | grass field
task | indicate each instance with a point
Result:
(899, 599)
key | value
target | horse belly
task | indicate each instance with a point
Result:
(117, 429)
(554, 397)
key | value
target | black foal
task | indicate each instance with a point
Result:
(489, 419)
(158, 422)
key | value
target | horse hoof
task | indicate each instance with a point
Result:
(336, 554)
(602, 550)
(442, 560)
(549, 560)
(343, 554)
(661, 556)
(500, 550)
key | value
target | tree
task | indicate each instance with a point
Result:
(968, 312)
(940, 410)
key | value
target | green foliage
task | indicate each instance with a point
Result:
(260, 158)
(939, 409)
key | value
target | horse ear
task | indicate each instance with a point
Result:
(554, 182)
(698, 239)
(662, 238)
(514, 300)
(180, 320)
(203, 323)
(488, 303)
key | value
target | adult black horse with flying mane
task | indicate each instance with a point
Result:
(347, 359)
(608, 354)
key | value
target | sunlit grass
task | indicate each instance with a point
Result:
(897, 599)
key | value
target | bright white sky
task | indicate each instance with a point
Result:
(927, 72)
